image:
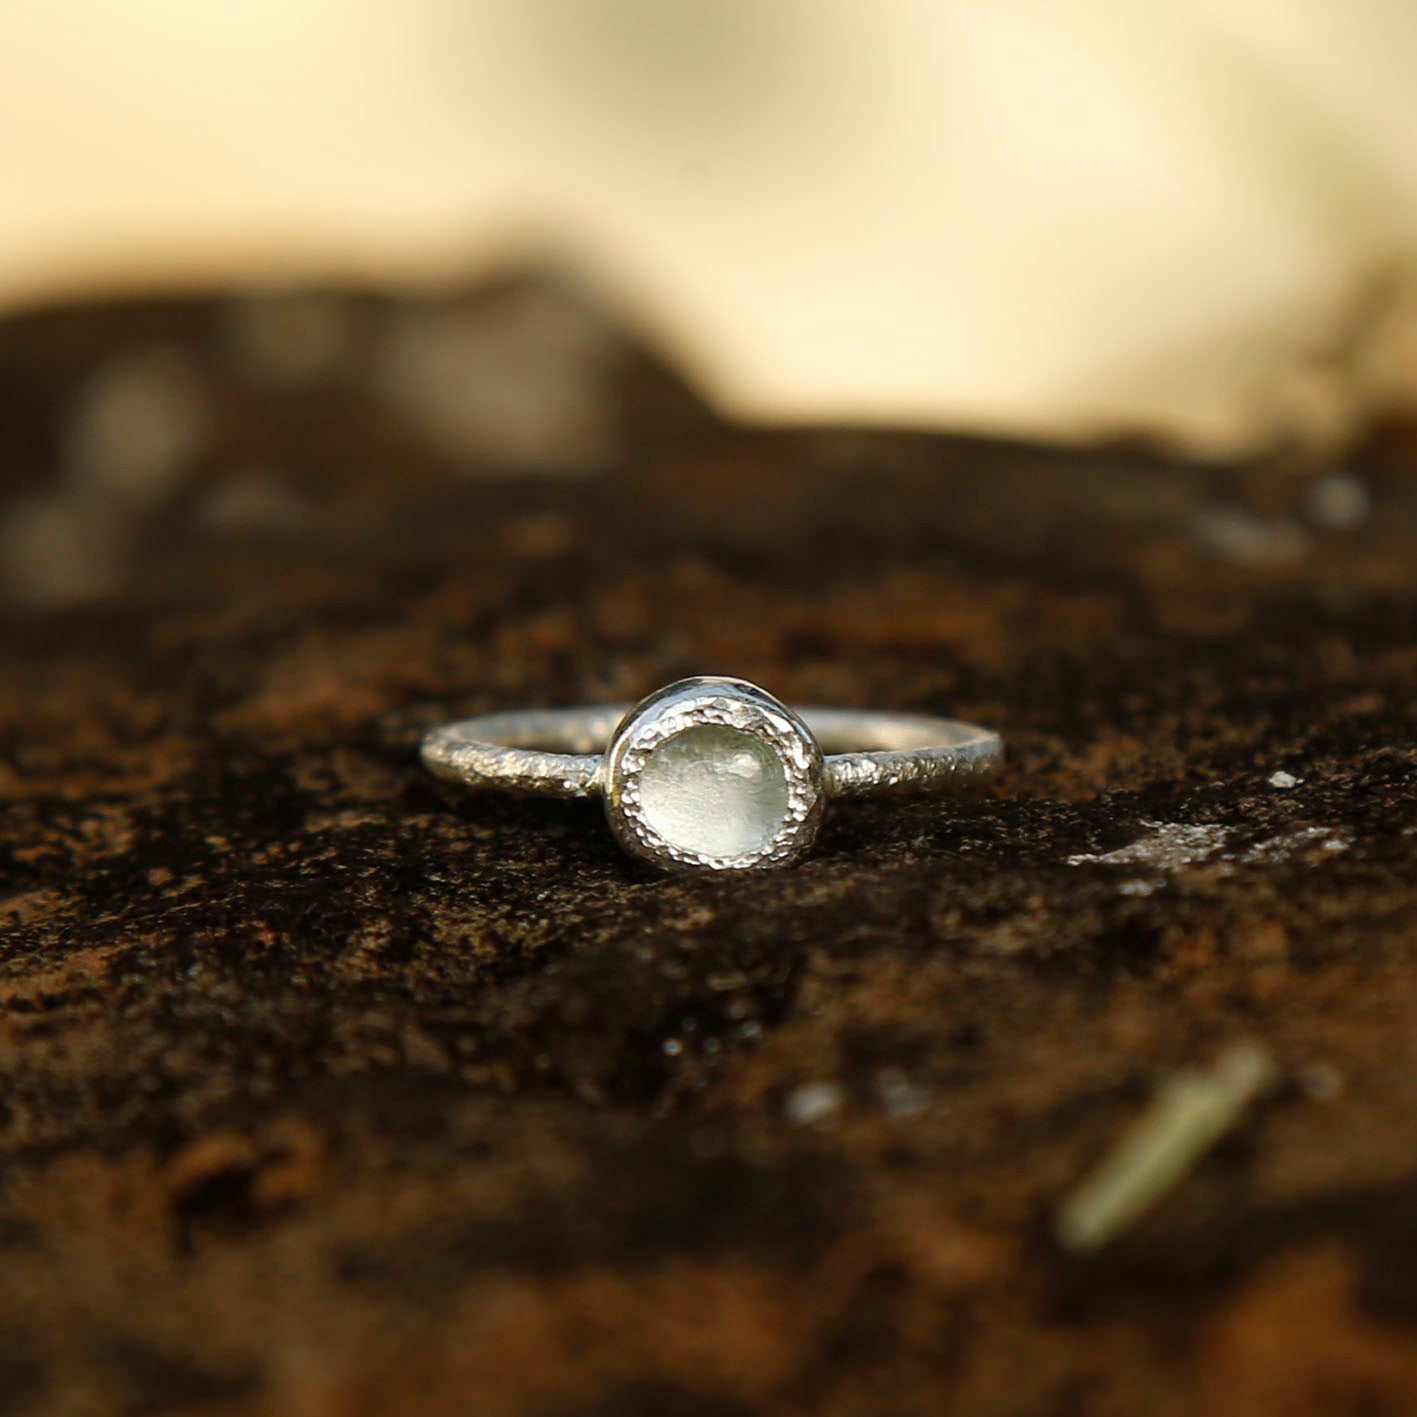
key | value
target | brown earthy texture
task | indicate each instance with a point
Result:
(329, 1089)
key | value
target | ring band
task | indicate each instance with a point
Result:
(710, 773)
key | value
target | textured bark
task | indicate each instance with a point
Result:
(326, 1088)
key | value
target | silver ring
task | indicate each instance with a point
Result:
(710, 773)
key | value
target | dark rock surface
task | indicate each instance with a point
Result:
(327, 1089)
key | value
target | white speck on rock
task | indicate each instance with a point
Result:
(1281, 848)
(1168, 846)
(1284, 779)
(814, 1104)
(1172, 846)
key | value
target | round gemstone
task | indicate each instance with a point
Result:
(713, 790)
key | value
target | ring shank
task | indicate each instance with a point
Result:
(559, 752)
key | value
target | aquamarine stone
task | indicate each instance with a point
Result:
(714, 790)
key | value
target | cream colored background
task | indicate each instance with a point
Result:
(1194, 218)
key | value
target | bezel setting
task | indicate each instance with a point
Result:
(718, 702)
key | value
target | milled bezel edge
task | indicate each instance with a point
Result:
(729, 704)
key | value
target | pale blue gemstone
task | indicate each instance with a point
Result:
(715, 791)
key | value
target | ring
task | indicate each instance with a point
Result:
(710, 773)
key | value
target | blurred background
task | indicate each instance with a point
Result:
(368, 363)
(1191, 223)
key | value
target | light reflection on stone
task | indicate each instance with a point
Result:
(714, 790)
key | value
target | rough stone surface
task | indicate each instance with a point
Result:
(327, 1088)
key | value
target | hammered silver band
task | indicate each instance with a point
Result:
(561, 752)
(710, 773)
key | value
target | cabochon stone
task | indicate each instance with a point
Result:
(714, 790)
